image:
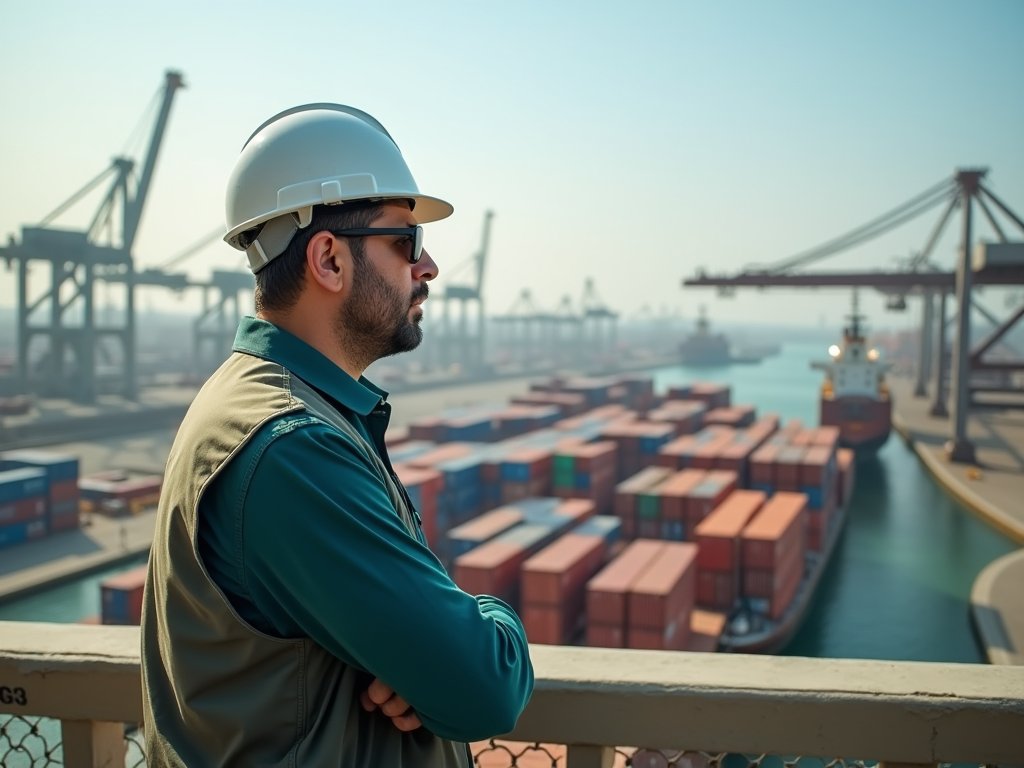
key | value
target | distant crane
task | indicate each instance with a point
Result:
(459, 345)
(80, 258)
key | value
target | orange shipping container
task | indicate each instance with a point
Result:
(674, 490)
(718, 535)
(775, 532)
(666, 590)
(607, 592)
(556, 575)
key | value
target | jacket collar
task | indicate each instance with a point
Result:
(265, 340)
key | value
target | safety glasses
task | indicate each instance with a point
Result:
(413, 240)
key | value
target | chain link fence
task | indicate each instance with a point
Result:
(35, 742)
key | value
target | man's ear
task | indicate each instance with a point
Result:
(328, 258)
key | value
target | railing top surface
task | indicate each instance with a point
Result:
(880, 710)
(599, 669)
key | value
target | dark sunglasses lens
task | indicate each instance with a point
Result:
(417, 246)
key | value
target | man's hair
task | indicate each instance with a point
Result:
(280, 283)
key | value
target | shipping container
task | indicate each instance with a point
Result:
(122, 597)
(706, 628)
(25, 483)
(776, 532)
(666, 590)
(18, 533)
(735, 416)
(23, 510)
(607, 592)
(718, 535)
(59, 467)
(466, 537)
(787, 467)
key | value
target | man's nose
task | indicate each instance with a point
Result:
(425, 268)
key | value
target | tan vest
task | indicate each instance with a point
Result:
(217, 692)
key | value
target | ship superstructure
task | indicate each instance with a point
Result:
(854, 396)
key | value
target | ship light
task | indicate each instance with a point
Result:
(873, 355)
(834, 351)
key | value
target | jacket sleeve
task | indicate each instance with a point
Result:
(325, 552)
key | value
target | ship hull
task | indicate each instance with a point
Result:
(864, 423)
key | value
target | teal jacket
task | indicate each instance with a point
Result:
(301, 536)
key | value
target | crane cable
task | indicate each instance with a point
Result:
(897, 216)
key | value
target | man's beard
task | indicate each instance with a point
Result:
(374, 320)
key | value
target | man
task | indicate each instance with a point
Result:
(293, 614)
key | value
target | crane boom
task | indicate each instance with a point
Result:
(481, 257)
(133, 210)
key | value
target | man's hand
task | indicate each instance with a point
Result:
(395, 707)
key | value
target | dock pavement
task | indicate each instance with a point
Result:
(101, 543)
(993, 488)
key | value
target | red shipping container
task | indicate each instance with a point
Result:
(715, 395)
(673, 637)
(441, 454)
(768, 583)
(678, 454)
(606, 635)
(23, 510)
(804, 438)
(557, 574)
(827, 436)
(549, 624)
(815, 467)
(704, 455)
(490, 569)
(718, 589)
(122, 597)
(762, 464)
(674, 490)
(607, 592)
(776, 532)
(64, 491)
(787, 468)
(718, 535)
(666, 590)
(733, 416)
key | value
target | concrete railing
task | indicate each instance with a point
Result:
(589, 699)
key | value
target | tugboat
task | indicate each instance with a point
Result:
(854, 396)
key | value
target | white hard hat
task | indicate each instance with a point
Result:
(316, 154)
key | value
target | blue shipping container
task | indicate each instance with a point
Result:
(59, 466)
(21, 532)
(17, 484)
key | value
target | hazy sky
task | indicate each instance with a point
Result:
(630, 142)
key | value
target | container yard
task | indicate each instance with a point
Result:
(604, 513)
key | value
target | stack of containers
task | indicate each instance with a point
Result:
(718, 439)
(715, 395)
(668, 500)
(787, 467)
(608, 593)
(662, 598)
(678, 392)
(761, 467)
(736, 455)
(553, 584)
(423, 487)
(587, 471)
(526, 473)
(735, 416)
(410, 449)
(474, 428)
(567, 403)
(519, 419)
(704, 497)
(719, 556)
(639, 391)
(122, 597)
(638, 443)
(461, 496)
(847, 466)
(62, 478)
(818, 478)
(687, 416)
(428, 428)
(627, 495)
(468, 536)
(23, 501)
(773, 554)
(493, 567)
(679, 453)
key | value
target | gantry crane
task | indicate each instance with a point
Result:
(77, 259)
(999, 263)
(459, 344)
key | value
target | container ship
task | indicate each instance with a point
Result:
(612, 517)
(854, 396)
(704, 348)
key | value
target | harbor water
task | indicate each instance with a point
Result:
(897, 586)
